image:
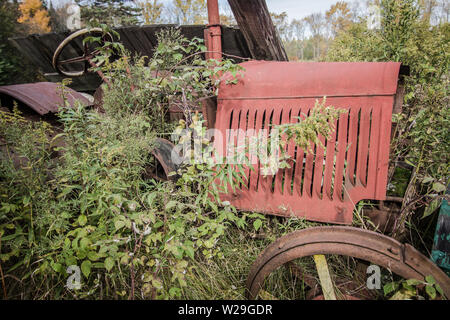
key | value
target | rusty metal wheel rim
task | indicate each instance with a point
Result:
(86, 57)
(386, 252)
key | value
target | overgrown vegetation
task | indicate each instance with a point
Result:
(95, 207)
(421, 137)
(86, 199)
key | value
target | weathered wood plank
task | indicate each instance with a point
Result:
(233, 42)
(262, 38)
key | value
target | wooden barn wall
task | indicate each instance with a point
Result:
(39, 49)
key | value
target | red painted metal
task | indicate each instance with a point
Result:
(213, 32)
(324, 186)
(43, 97)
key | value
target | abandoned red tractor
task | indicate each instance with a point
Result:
(324, 186)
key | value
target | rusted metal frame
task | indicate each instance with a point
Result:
(401, 259)
(310, 175)
(272, 118)
(251, 143)
(86, 56)
(245, 199)
(352, 146)
(318, 168)
(213, 32)
(375, 141)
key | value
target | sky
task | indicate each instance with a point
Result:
(296, 9)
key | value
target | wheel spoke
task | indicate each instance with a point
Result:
(324, 277)
(72, 60)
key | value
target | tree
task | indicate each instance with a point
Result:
(435, 11)
(34, 16)
(151, 11)
(339, 17)
(189, 11)
(226, 15)
(421, 135)
(316, 23)
(111, 12)
(298, 29)
(14, 68)
(282, 25)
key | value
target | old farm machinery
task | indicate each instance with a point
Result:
(322, 186)
(325, 185)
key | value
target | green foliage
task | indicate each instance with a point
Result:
(308, 130)
(24, 169)
(84, 198)
(112, 12)
(94, 206)
(421, 138)
(413, 289)
(13, 68)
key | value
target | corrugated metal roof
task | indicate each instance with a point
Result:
(43, 97)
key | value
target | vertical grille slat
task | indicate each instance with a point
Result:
(255, 174)
(340, 156)
(329, 164)
(250, 134)
(308, 171)
(352, 143)
(280, 176)
(318, 168)
(288, 182)
(363, 144)
(298, 174)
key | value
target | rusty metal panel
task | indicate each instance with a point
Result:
(325, 185)
(43, 97)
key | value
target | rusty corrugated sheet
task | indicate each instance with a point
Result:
(42, 97)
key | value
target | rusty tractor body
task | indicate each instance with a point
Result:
(324, 185)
